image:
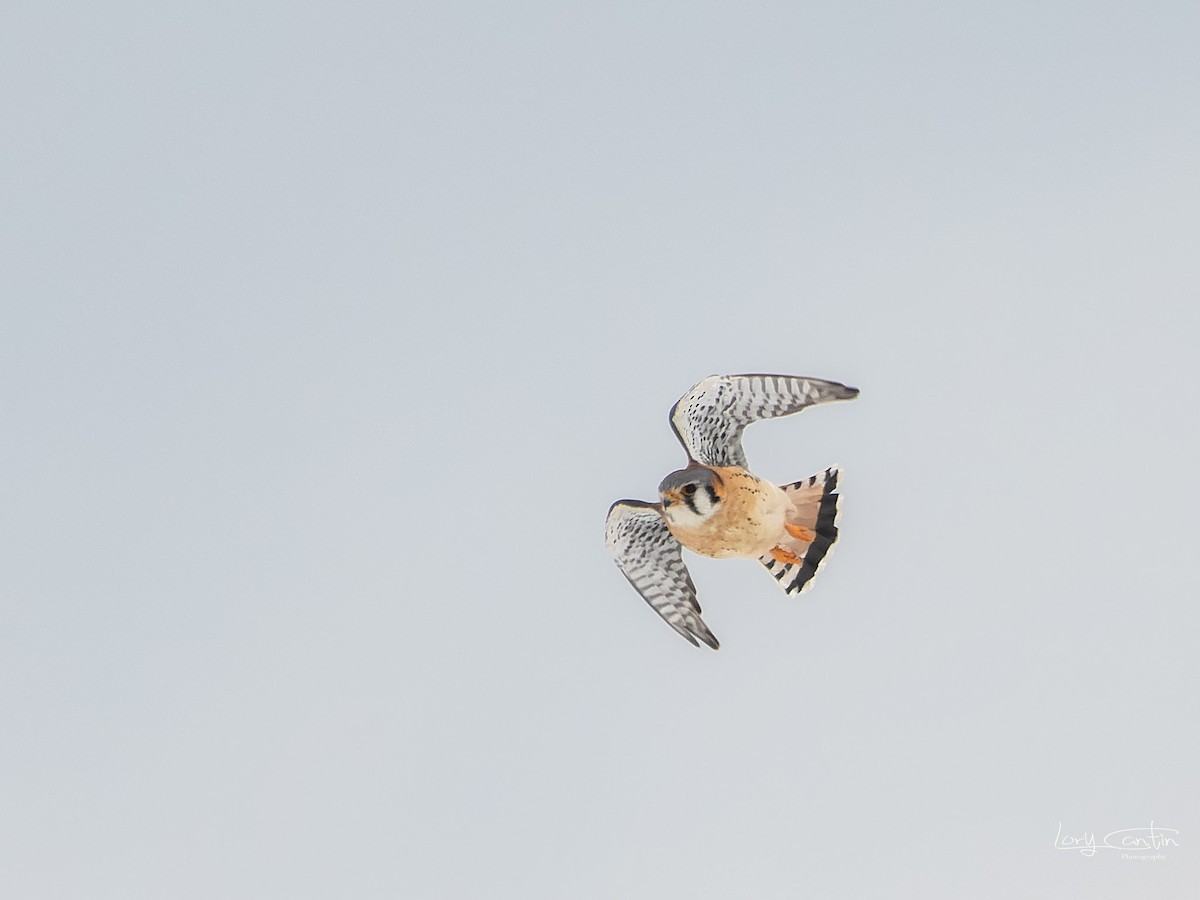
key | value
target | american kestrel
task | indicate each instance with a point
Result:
(716, 507)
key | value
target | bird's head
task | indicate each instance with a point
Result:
(691, 495)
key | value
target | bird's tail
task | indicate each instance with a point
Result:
(811, 531)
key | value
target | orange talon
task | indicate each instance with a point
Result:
(799, 531)
(785, 556)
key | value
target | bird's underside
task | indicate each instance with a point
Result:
(717, 508)
(750, 520)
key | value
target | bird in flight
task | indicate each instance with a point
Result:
(716, 507)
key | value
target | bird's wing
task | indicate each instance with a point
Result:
(710, 418)
(652, 559)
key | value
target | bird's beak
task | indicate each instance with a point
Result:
(669, 498)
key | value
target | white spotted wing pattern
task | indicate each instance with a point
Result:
(710, 418)
(652, 559)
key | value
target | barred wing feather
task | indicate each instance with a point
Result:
(710, 418)
(652, 559)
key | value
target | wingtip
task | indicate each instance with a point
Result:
(706, 636)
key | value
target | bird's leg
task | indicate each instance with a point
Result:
(799, 531)
(785, 556)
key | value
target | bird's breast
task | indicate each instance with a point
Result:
(746, 523)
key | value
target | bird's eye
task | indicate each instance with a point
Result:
(688, 490)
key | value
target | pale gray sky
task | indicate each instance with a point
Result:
(330, 332)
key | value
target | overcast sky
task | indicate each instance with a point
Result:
(328, 332)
